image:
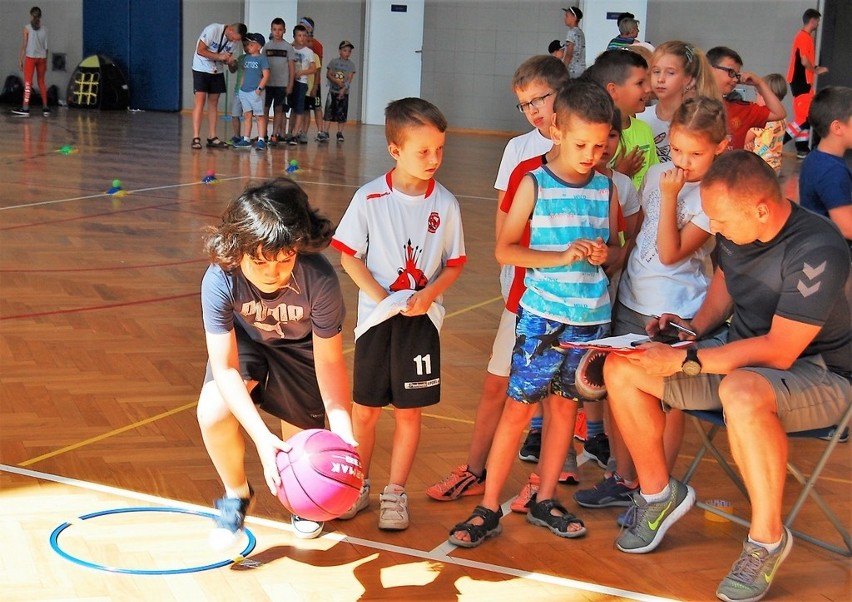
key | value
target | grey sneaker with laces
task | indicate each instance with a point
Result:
(653, 519)
(393, 511)
(753, 572)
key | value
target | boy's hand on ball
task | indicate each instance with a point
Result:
(267, 450)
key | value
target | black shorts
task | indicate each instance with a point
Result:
(287, 379)
(296, 98)
(277, 96)
(313, 103)
(398, 362)
(336, 109)
(209, 83)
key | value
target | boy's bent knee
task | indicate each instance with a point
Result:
(212, 408)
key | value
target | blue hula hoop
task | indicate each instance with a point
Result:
(54, 543)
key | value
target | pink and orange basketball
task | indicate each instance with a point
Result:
(321, 475)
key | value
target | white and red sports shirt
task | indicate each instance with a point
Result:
(404, 240)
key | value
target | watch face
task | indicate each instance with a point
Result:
(691, 368)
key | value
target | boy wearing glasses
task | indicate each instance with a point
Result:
(742, 115)
(535, 84)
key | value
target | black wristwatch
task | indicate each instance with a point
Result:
(691, 366)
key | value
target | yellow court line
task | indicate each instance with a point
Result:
(129, 427)
(108, 435)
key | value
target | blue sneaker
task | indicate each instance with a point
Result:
(232, 512)
(612, 491)
(235, 139)
(260, 145)
(242, 144)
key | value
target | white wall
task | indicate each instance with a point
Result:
(598, 30)
(761, 31)
(470, 47)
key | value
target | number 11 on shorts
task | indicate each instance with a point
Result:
(423, 363)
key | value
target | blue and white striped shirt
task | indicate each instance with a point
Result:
(576, 293)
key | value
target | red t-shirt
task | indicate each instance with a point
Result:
(743, 115)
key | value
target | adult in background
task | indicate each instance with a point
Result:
(34, 58)
(575, 43)
(213, 52)
(783, 363)
(800, 76)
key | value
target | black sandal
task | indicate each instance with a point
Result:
(216, 143)
(196, 143)
(478, 533)
(539, 514)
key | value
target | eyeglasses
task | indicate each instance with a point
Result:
(730, 72)
(535, 103)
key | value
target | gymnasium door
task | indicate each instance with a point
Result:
(394, 42)
(144, 41)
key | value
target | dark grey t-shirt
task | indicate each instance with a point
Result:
(800, 275)
(311, 303)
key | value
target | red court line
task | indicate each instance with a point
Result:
(80, 217)
(103, 268)
(99, 307)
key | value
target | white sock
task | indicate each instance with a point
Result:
(770, 547)
(658, 497)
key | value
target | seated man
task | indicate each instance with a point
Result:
(783, 365)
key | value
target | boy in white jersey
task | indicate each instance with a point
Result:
(571, 211)
(402, 243)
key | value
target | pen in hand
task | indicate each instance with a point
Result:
(677, 326)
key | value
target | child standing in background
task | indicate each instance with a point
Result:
(401, 241)
(253, 91)
(768, 142)
(304, 63)
(34, 58)
(339, 73)
(679, 70)
(624, 75)
(281, 56)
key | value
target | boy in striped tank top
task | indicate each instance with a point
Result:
(571, 211)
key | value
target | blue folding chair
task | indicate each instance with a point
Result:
(832, 435)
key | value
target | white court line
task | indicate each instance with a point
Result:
(435, 555)
(104, 194)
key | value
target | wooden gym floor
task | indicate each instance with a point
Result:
(101, 359)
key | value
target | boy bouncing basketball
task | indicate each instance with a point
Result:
(273, 313)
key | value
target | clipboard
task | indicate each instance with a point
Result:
(624, 344)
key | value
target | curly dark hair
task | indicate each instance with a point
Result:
(263, 221)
